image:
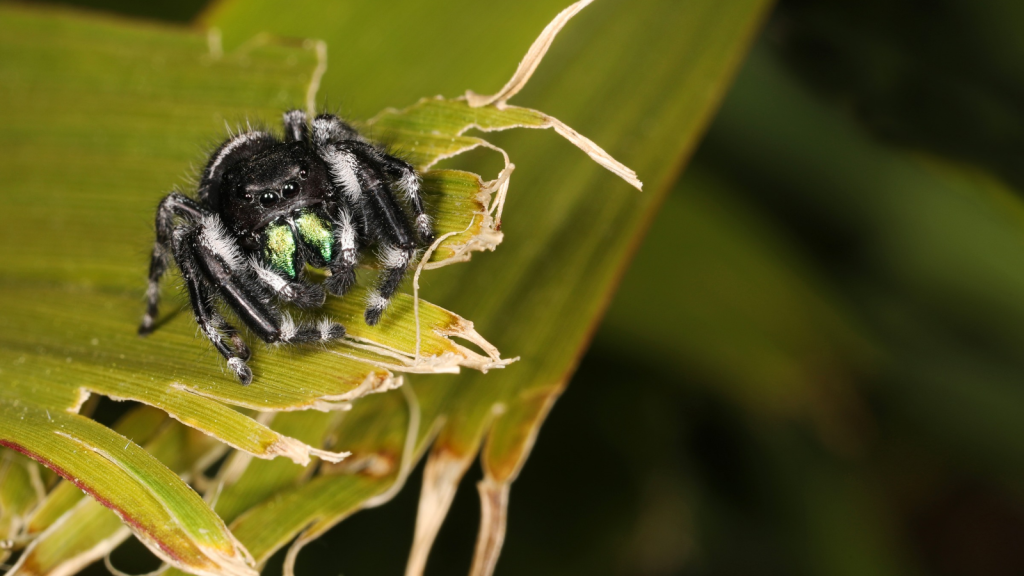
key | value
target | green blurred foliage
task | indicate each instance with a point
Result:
(813, 366)
(171, 11)
(940, 74)
(832, 223)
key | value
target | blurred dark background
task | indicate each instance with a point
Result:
(836, 386)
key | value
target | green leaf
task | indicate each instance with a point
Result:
(121, 109)
(139, 425)
(69, 301)
(163, 511)
(21, 488)
(83, 529)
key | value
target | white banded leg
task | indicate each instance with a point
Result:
(405, 179)
(295, 127)
(213, 326)
(395, 261)
(324, 330)
(299, 293)
(343, 269)
(174, 204)
(409, 185)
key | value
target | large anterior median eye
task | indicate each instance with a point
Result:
(268, 199)
(290, 190)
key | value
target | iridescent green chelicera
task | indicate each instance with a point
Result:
(279, 249)
(316, 233)
(279, 246)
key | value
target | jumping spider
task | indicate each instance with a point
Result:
(264, 209)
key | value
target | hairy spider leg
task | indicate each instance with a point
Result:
(396, 242)
(329, 129)
(296, 129)
(346, 255)
(302, 294)
(174, 204)
(405, 179)
(328, 133)
(210, 265)
(210, 322)
(351, 162)
(268, 323)
(396, 262)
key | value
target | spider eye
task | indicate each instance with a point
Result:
(268, 199)
(303, 174)
(290, 189)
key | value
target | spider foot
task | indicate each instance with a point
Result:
(147, 325)
(424, 229)
(241, 370)
(375, 308)
(330, 330)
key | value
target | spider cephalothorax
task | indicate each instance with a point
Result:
(264, 209)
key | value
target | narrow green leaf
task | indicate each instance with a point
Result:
(87, 530)
(139, 425)
(21, 489)
(164, 513)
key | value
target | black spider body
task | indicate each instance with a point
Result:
(267, 207)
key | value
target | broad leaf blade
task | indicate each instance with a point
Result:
(93, 218)
(97, 118)
(568, 226)
(123, 110)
